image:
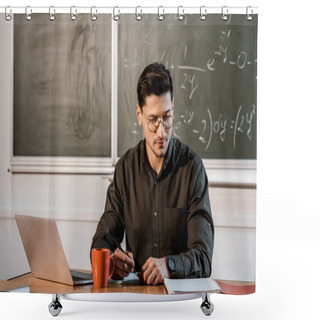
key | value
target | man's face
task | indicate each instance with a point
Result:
(156, 108)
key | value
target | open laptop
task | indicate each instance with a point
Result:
(44, 251)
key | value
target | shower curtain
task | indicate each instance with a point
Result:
(68, 96)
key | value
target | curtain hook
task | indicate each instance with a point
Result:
(51, 15)
(93, 16)
(8, 16)
(203, 13)
(160, 15)
(224, 13)
(73, 15)
(180, 14)
(27, 15)
(249, 15)
(116, 17)
(138, 15)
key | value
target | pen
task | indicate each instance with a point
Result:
(128, 257)
(121, 249)
(124, 252)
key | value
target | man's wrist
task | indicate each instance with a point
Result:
(171, 265)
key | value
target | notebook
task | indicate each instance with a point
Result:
(44, 251)
(199, 285)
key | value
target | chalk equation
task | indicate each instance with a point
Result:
(214, 76)
(206, 128)
(219, 56)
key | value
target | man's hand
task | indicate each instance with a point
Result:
(124, 264)
(154, 271)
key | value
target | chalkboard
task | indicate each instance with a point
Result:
(213, 64)
(62, 83)
(62, 86)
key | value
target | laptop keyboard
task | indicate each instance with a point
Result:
(78, 276)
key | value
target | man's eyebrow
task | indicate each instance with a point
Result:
(151, 115)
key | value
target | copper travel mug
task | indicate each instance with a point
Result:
(102, 267)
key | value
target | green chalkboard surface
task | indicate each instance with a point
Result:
(63, 73)
(213, 64)
(62, 89)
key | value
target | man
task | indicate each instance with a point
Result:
(159, 196)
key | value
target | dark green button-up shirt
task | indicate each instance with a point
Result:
(163, 215)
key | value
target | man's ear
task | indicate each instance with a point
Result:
(139, 114)
(172, 105)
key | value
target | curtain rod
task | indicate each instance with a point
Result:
(249, 10)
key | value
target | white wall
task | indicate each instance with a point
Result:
(234, 214)
(77, 201)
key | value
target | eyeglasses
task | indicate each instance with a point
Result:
(153, 124)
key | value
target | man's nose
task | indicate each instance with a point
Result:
(160, 130)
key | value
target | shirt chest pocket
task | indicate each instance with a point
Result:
(175, 230)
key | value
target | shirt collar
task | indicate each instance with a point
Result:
(169, 154)
(145, 160)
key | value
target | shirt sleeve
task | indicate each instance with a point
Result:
(196, 261)
(110, 229)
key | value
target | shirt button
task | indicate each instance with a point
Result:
(155, 213)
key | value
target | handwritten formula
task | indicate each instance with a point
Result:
(216, 125)
(214, 70)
